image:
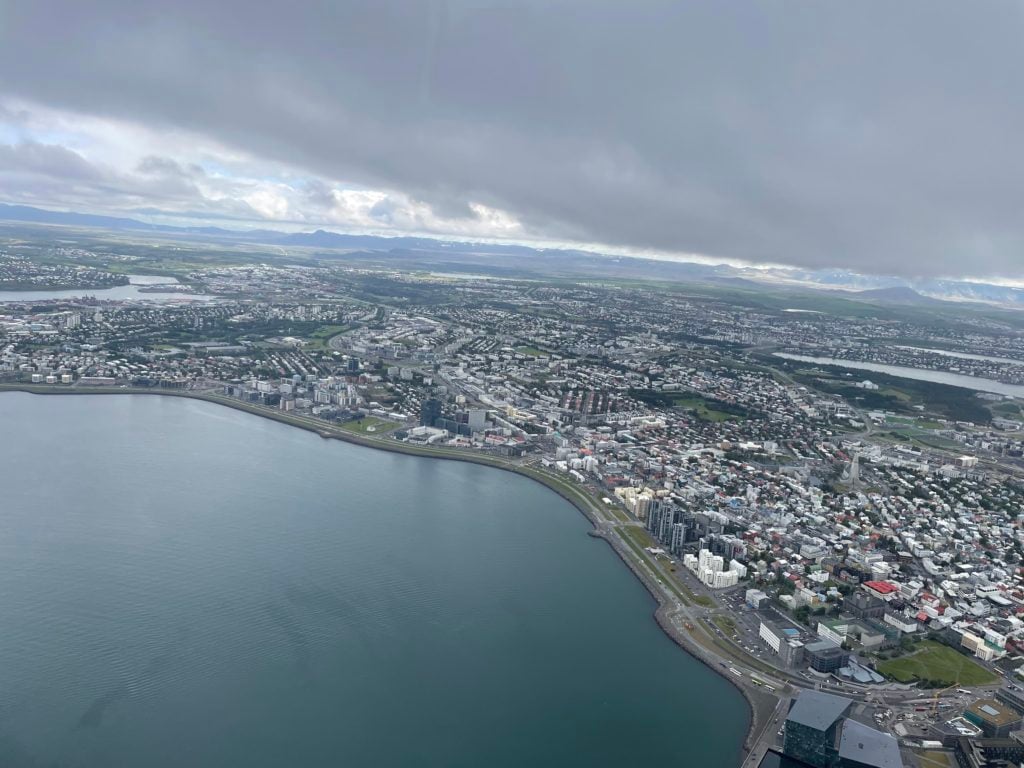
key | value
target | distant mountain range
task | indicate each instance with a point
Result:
(403, 252)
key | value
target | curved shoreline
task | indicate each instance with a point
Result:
(582, 503)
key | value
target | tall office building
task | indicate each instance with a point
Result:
(430, 411)
(477, 418)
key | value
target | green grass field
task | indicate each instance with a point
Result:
(321, 336)
(937, 663)
(532, 351)
(368, 425)
(704, 412)
(638, 535)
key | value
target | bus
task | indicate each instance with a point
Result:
(761, 683)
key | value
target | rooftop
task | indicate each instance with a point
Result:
(882, 587)
(994, 712)
(823, 646)
(818, 710)
(866, 746)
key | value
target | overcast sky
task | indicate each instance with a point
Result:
(878, 136)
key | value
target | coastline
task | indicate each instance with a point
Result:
(583, 502)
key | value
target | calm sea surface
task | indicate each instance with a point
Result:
(186, 585)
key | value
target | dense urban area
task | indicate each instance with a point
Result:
(843, 543)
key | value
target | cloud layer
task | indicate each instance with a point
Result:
(876, 136)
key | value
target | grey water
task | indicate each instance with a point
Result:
(118, 292)
(182, 584)
(976, 383)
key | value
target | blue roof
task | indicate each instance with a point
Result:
(818, 710)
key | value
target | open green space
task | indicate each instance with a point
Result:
(532, 351)
(319, 338)
(640, 539)
(635, 537)
(705, 411)
(638, 534)
(618, 513)
(368, 425)
(705, 408)
(936, 666)
(725, 624)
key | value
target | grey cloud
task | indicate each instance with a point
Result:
(53, 175)
(318, 195)
(154, 165)
(47, 160)
(383, 211)
(873, 135)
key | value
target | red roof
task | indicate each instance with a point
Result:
(881, 587)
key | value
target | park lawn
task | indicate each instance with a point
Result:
(321, 336)
(641, 537)
(937, 663)
(899, 394)
(704, 412)
(532, 351)
(368, 425)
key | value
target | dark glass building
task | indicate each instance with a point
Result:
(819, 733)
(812, 727)
(825, 656)
(430, 411)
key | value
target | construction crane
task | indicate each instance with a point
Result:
(935, 698)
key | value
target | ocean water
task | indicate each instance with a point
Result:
(186, 585)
